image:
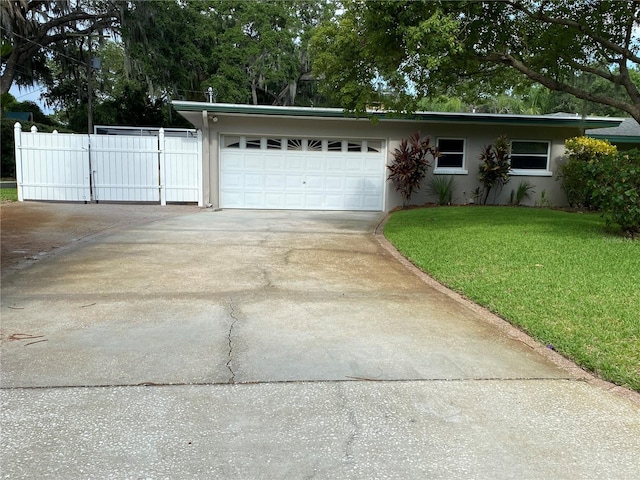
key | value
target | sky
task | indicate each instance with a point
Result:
(32, 94)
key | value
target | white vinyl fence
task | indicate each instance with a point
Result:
(115, 168)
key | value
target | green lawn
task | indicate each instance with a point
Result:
(562, 277)
(9, 194)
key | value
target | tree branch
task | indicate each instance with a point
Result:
(605, 42)
(594, 71)
(552, 84)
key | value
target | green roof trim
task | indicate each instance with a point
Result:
(615, 138)
(627, 132)
(480, 118)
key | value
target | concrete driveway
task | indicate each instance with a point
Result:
(242, 344)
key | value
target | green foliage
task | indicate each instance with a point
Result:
(248, 52)
(360, 54)
(416, 49)
(597, 177)
(9, 194)
(583, 156)
(442, 187)
(10, 104)
(34, 31)
(7, 152)
(132, 106)
(588, 149)
(616, 189)
(7, 146)
(476, 195)
(544, 201)
(523, 192)
(559, 276)
(495, 164)
(411, 160)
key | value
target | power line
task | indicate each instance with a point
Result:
(48, 47)
(30, 93)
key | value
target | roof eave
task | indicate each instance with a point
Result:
(336, 113)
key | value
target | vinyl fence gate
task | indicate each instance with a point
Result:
(110, 168)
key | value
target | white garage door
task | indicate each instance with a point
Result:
(301, 173)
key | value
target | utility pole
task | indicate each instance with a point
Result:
(90, 68)
(89, 90)
(91, 64)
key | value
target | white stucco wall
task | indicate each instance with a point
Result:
(392, 132)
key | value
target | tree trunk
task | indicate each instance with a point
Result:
(6, 80)
(254, 93)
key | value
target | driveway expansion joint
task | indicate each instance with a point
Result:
(346, 380)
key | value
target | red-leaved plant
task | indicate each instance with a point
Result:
(495, 165)
(411, 160)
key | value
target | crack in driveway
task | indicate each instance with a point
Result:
(234, 319)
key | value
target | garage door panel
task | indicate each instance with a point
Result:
(353, 165)
(314, 201)
(294, 200)
(232, 161)
(274, 163)
(294, 182)
(274, 182)
(253, 163)
(372, 202)
(314, 182)
(253, 199)
(371, 165)
(354, 184)
(334, 165)
(274, 200)
(315, 163)
(232, 199)
(254, 181)
(295, 163)
(233, 181)
(373, 184)
(334, 202)
(298, 179)
(353, 202)
(334, 183)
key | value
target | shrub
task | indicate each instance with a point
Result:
(583, 156)
(524, 191)
(495, 163)
(410, 164)
(7, 150)
(615, 186)
(442, 187)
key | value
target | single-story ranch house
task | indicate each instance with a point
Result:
(267, 157)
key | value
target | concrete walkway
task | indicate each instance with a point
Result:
(241, 344)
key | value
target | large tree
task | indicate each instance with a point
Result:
(248, 52)
(33, 29)
(396, 52)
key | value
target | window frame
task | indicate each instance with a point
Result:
(462, 170)
(532, 172)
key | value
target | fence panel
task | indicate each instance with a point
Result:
(125, 168)
(52, 166)
(114, 168)
(182, 168)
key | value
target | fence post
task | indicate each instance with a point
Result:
(17, 137)
(163, 167)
